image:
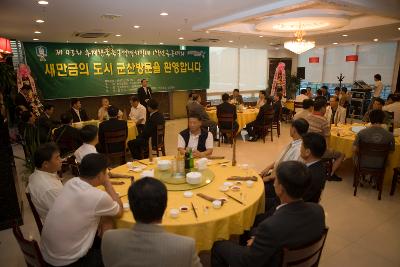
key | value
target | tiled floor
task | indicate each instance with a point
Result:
(362, 230)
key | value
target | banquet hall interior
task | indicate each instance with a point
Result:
(200, 133)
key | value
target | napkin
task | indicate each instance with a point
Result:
(243, 178)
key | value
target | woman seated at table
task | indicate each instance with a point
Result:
(253, 136)
(103, 110)
(200, 141)
(262, 95)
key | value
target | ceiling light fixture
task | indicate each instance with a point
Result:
(344, 35)
(230, 41)
(163, 14)
(376, 40)
(35, 39)
(118, 35)
(39, 21)
(37, 32)
(398, 28)
(136, 26)
(178, 30)
(105, 41)
(335, 43)
(181, 38)
(207, 32)
(161, 43)
(43, 2)
(299, 45)
(95, 42)
(67, 41)
(261, 36)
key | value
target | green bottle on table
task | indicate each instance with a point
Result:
(191, 159)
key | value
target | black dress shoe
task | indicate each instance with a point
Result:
(335, 178)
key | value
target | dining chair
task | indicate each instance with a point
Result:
(297, 105)
(276, 123)
(34, 212)
(366, 151)
(305, 256)
(113, 140)
(225, 119)
(30, 249)
(159, 146)
(263, 129)
(395, 180)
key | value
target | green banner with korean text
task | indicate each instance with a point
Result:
(65, 70)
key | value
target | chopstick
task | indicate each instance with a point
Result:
(144, 163)
(237, 200)
(123, 196)
(194, 210)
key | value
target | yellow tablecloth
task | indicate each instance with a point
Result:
(212, 224)
(289, 104)
(132, 131)
(243, 118)
(344, 144)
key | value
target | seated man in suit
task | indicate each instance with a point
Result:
(277, 105)
(294, 224)
(195, 138)
(262, 96)
(312, 149)
(259, 120)
(77, 112)
(67, 137)
(227, 108)
(140, 145)
(46, 124)
(236, 98)
(70, 232)
(147, 243)
(334, 112)
(112, 125)
(196, 107)
(44, 184)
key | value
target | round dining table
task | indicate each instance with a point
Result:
(207, 224)
(132, 130)
(244, 116)
(342, 138)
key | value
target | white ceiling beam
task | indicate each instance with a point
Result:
(276, 7)
(384, 8)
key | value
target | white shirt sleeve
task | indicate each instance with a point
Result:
(209, 141)
(142, 114)
(181, 142)
(106, 206)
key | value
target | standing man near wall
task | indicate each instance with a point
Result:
(144, 93)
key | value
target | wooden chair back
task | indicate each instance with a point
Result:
(159, 145)
(306, 256)
(30, 249)
(35, 213)
(225, 119)
(112, 138)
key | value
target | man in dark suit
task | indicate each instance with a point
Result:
(46, 123)
(226, 108)
(294, 224)
(312, 149)
(236, 98)
(277, 105)
(66, 136)
(139, 145)
(144, 93)
(77, 112)
(267, 107)
(112, 125)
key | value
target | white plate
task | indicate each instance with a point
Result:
(228, 184)
(223, 188)
(356, 129)
(188, 194)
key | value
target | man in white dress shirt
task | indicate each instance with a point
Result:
(44, 184)
(195, 138)
(308, 108)
(90, 139)
(395, 108)
(138, 113)
(292, 151)
(302, 96)
(69, 232)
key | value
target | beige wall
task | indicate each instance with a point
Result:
(281, 53)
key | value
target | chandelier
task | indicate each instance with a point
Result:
(299, 45)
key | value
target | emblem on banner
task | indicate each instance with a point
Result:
(41, 52)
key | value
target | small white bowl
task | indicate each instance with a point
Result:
(188, 194)
(137, 169)
(193, 178)
(217, 204)
(174, 213)
(223, 188)
(129, 165)
(163, 164)
(147, 173)
(249, 183)
(228, 184)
